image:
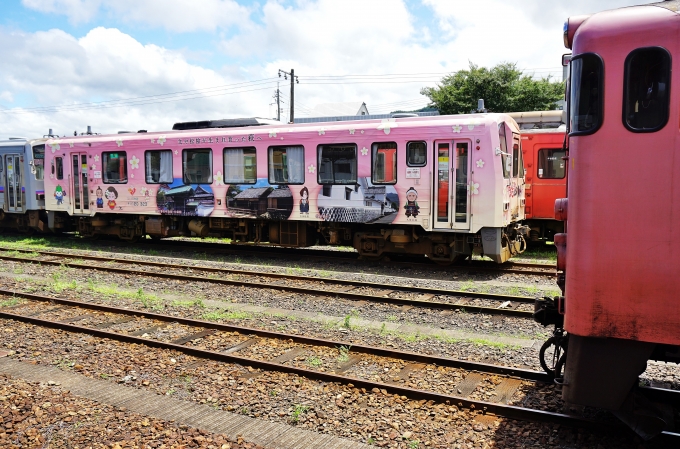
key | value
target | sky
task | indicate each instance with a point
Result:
(146, 64)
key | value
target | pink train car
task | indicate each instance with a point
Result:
(442, 186)
(621, 261)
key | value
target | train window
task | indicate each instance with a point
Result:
(240, 166)
(550, 163)
(158, 166)
(585, 103)
(505, 160)
(197, 166)
(337, 164)
(517, 165)
(114, 167)
(384, 165)
(416, 154)
(39, 162)
(646, 89)
(58, 167)
(287, 165)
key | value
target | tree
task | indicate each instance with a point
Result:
(504, 88)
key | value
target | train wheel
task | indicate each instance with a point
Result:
(553, 355)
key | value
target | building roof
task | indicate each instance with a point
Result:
(335, 109)
(375, 190)
(252, 193)
(280, 193)
(179, 190)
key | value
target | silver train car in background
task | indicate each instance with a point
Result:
(22, 185)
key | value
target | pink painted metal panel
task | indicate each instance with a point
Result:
(623, 264)
(215, 199)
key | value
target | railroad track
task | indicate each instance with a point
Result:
(495, 304)
(341, 257)
(490, 389)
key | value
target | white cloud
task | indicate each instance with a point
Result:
(77, 11)
(54, 68)
(174, 15)
(7, 96)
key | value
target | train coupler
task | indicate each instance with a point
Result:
(547, 311)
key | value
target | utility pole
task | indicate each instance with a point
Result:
(293, 79)
(277, 97)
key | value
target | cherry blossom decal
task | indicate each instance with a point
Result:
(219, 179)
(273, 132)
(70, 144)
(364, 151)
(474, 188)
(480, 163)
(322, 131)
(351, 131)
(93, 167)
(96, 158)
(387, 124)
(134, 163)
(119, 142)
(161, 140)
(55, 146)
(311, 168)
(457, 128)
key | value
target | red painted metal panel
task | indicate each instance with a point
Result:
(623, 269)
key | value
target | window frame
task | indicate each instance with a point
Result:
(270, 153)
(570, 100)
(184, 177)
(319, 151)
(224, 164)
(172, 171)
(503, 143)
(538, 162)
(409, 164)
(374, 153)
(105, 171)
(57, 166)
(626, 79)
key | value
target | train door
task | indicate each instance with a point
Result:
(516, 188)
(13, 199)
(452, 196)
(80, 203)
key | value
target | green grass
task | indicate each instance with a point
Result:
(9, 302)
(227, 315)
(189, 303)
(343, 355)
(466, 286)
(314, 361)
(297, 412)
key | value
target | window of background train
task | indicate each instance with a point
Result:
(158, 166)
(240, 166)
(58, 167)
(197, 166)
(550, 163)
(416, 154)
(286, 165)
(646, 80)
(337, 164)
(114, 167)
(39, 162)
(384, 165)
(517, 165)
(585, 102)
(505, 160)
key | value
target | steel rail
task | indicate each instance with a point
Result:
(508, 411)
(315, 292)
(536, 376)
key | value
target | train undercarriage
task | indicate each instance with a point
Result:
(603, 372)
(370, 241)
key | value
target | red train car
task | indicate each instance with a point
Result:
(622, 258)
(543, 150)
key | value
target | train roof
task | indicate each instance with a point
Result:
(461, 121)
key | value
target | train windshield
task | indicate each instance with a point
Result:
(646, 94)
(585, 103)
